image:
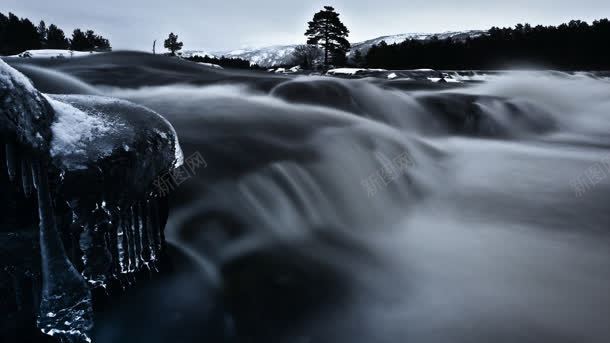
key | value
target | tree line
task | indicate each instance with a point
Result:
(225, 62)
(570, 46)
(20, 34)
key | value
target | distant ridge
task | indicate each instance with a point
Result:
(281, 55)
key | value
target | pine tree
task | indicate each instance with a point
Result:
(18, 35)
(327, 31)
(88, 41)
(4, 34)
(102, 44)
(56, 38)
(92, 39)
(79, 41)
(21, 35)
(172, 44)
(42, 33)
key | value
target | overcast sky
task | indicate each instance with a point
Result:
(230, 24)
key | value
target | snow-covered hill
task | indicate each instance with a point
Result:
(52, 53)
(265, 57)
(281, 55)
(456, 35)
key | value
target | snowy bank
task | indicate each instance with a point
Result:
(53, 53)
(352, 71)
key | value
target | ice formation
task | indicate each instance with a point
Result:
(97, 217)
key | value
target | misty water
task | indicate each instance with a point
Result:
(371, 210)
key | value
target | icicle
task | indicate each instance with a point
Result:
(152, 229)
(155, 250)
(11, 160)
(35, 180)
(128, 241)
(147, 250)
(121, 246)
(112, 242)
(140, 232)
(65, 307)
(154, 225)
(97, 257)
(135, 230)
(26, 177)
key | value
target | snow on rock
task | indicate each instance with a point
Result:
(53, 53)
(469, 76)
(211, 65)
(73, 129)
(24, 114)
(12, 78)
(282, 70)
(89, 128)
(443, 79)
(344, 71)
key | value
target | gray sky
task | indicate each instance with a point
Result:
(231, 24)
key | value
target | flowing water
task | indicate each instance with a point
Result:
(370, 211)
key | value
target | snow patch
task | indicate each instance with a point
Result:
(178, 154)
(344, 71)
(73, 129)
(54, 53)
(443, 79)
(211, 65)
(10, 76)
(351, 71)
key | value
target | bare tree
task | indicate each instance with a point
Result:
(307, 55)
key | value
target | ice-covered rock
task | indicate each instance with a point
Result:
(88, 129)
(97, 217)
(25, 114)
(115, 150)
